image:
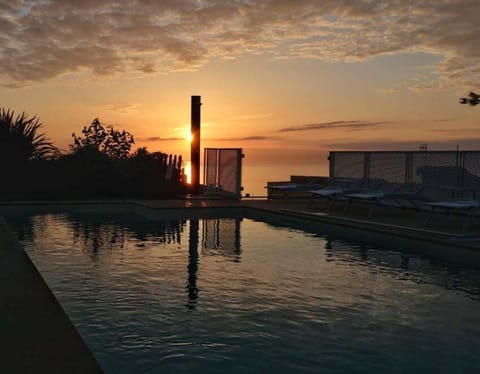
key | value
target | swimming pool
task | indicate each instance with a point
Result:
(240, 295)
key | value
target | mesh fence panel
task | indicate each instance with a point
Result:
(211, 166)
(389, 166)
(347, 164)
(471, 164)
(223, 169)
(433, 168)
(227, 171)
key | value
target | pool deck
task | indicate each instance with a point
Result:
(38, 337)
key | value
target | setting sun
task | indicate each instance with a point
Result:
(189, 136)
(283, 96)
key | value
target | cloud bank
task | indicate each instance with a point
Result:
(244, 138)
(42, 39)
(351, 125)
(159, 139)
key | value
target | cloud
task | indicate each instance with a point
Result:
(40, 40)
(352, 125)
(245, 138)
(122, 108)
(159, 139)
(388, 91)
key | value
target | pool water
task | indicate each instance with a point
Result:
(238, 295)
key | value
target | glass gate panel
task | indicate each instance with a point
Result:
(223, 171)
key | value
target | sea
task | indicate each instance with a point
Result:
(256, 176)
(262, 166)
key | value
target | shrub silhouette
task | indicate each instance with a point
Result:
(99, 166)
(96, 137)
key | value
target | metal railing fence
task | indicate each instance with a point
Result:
(431, 168)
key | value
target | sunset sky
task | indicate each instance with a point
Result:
(290, 77)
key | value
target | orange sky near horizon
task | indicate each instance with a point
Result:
(286, 81)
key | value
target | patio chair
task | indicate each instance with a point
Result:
(468, 207)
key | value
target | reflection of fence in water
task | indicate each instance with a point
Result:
(221, 237)
(351, 252)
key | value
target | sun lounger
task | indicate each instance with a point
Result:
(408, 199)
(336, 191)
(465, 206)
(282, 189)
(285, 189)
(329, 193)
(370, 197)
(398, 193)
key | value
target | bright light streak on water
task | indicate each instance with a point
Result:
(238, 296)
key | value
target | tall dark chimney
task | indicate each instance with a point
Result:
(195, 145)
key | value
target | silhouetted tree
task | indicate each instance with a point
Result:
(473, 99)
(21, 140)
(113, 143)
(141, 154)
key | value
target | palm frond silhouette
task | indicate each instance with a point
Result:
(21, 139)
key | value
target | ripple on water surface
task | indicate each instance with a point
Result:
(238, 295)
